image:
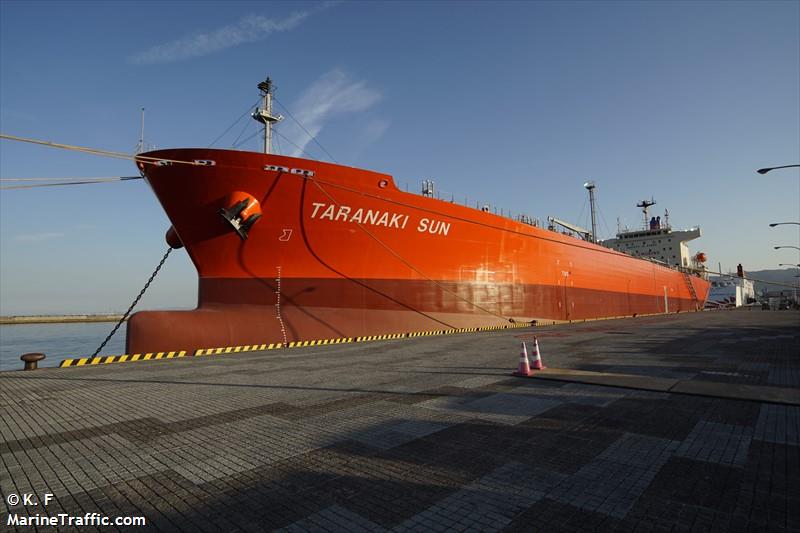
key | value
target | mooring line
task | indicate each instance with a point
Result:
(135, 301)
(408, 264)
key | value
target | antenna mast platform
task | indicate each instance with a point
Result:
(264, 114)
(645, 205)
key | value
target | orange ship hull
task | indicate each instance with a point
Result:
(341, 252)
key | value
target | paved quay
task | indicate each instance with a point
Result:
(427, 433)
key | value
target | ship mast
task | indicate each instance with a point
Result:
(264, 114)
(590, 186)
(645, 205)
(140, 146)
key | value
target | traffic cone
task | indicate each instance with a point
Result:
(536, 357)
(524, 368)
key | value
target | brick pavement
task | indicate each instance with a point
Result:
(423, 434)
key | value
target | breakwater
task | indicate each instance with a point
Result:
(57, 319)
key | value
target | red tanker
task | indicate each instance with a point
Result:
(293, 249)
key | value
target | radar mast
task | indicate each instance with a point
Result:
(645, 205)
(264, 114)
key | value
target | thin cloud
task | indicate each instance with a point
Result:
(374, 130)
(332, 94)
(249, 29)
(37, 237)
(367, 134)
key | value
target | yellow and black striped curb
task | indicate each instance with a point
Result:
(381, 337)
(102, 360)
(272, 346)
(238, 349)
(106, 359)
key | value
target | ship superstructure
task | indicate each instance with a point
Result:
(657, 240)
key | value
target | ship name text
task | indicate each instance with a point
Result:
(376, 217)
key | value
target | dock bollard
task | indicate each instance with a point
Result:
(32, 360)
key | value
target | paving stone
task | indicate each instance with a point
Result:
(333, 518)
(779, 424)
(430, 433)
(717, 443)
(673, 418)
(697, 483)
(551, 515)
(502, 493)
(612, 482)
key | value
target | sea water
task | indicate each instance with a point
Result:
(57, 342)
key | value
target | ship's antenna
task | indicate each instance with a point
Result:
(645, 205)
(666, 218)
(428, 188)
(264, 114)
(590, 187)
(140, 146)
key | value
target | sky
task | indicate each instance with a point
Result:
(512, 104)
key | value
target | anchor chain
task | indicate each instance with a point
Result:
(135, 301)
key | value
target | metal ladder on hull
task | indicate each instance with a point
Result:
(689, 284)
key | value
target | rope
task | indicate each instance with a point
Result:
(304, 129)
(135, 301)
(95, 151)
(246, 139)
(577, 243)
(85, 182)
(65, 179)
(244, 129)
(409, 265)
(151, 160)
(288, 140)
(221, 135)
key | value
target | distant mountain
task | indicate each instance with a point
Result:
(783, 275)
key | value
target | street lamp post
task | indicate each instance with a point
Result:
(795, 301)
(765, 170)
